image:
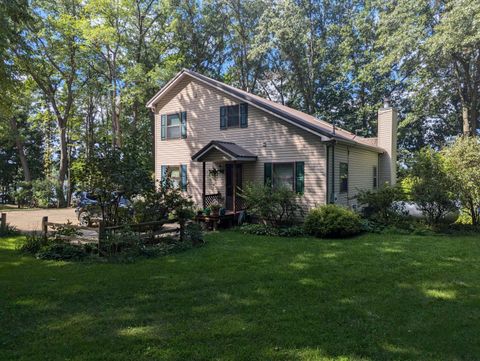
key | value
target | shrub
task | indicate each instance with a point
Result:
(32, 243)
(332, 221)
(463, 165)
(44, 192)
(384, 205)
(258, 229)
(194, 233)
(64, 232)
(273, 206)
(266, 230)
(23, 194)
(9, 230)
(429, 186)
(62, 251)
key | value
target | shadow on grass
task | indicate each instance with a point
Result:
(252, 298)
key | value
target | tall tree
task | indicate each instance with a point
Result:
(49, 54)
(436, 46)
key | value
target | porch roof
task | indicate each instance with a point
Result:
(223, 151)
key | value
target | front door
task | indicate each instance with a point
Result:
(229, 184)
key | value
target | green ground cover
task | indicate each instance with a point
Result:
(373, 297)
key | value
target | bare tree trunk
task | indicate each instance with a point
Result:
(20, 145)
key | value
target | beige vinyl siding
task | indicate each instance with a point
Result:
(270, 138)
(360, 172)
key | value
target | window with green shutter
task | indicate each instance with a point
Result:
(234, 116)
(174, 126)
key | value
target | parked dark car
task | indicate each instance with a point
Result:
(88, 209)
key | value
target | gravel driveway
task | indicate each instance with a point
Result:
(31, 219)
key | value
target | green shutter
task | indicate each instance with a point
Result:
(183, 116)
(183, 175)
(243, 115)
(267, 175)
(223, 117)
(164, 126)
(163, 175)
(300, 177)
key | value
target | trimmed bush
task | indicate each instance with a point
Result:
(332, 221)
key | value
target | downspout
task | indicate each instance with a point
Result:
(327, 176)
(332, 199)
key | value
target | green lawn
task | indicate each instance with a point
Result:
(375, 297)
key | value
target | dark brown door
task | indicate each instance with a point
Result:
(229, 184)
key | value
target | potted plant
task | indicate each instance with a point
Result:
(215, 208)
(207, 211)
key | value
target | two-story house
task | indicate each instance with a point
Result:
(213, 138)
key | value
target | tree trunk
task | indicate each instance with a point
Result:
(466, 120)
(63, 164)
(20, 145)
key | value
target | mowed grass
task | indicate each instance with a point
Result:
(374, 297)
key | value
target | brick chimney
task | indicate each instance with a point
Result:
(387, 139)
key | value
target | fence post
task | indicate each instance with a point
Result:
(45, 226)
(4, 221)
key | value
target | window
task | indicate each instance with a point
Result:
(174, 172)
(173, 126)
(283, 175)
(375, 177)
(234, 116)
(343, 177)
(177, 175)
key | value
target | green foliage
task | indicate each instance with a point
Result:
(463, 165)
(430, 186)
(110, 173)
(64, 232)
(275, 207)
(266, 230)
(383, 205)
(32, 243)
(9, 230)
(44, 192)
(332, 221)
(193, 233)
(24, 194)
(62, 251)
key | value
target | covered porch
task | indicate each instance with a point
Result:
(229, 161)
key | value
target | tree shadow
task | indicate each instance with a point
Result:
(253, 298)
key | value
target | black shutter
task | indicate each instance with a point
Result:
(184, 124)
(267, 175)
(223, 117)
(243, 115)
(163, 124)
